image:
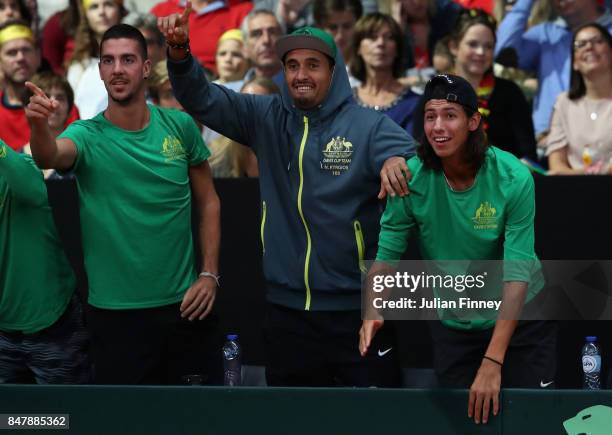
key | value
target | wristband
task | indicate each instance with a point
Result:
(493, 360)
(183, 46)
(211, 275)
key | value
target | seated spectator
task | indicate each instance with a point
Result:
(579, 141)
(156, 43)
(504, 109)
(443, 59)
(97, 16)
(14, 10)
(229, 159)
(545, 47)
(208, 21)
(423, 22)
(19, 60)
(338, 18)
(11, 10)
(58, 37)
(58, 89)
(231, 61)
(292, 14)
(261, 29)
(378, 63)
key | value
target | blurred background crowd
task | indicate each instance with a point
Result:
(542, 69)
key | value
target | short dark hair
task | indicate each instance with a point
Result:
(366, 27)
(577, 87)
(48, 80)
(128, 32)
(323, 9)
(476, 148)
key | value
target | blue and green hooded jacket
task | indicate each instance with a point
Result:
(319, 180)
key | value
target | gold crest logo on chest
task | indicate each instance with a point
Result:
(485, 217)
(337, 155)
(172, 149)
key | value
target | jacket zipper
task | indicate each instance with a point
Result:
(299, 204)
(360, 246)
(263, 225)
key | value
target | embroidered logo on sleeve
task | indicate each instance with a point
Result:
(172, 149)
(337, 155)
(3, 151)
(485, 217)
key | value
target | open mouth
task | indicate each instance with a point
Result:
(302, 89)
(441, 139)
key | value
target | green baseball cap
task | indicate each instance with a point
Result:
(306, 37)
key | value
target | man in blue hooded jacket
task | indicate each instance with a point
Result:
(321, 161)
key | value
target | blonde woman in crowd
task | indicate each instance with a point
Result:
(579, 141)
(96, 17)
(230, 59)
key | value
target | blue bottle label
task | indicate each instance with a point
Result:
(591, 363)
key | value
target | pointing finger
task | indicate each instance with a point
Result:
(186, 12)
(35, 89)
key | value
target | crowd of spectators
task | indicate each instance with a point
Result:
(522, 57)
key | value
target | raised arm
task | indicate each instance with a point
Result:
(232, 114)
(48, 152)
(512, 32)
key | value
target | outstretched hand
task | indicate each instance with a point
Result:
(175, 27)
(40, 107)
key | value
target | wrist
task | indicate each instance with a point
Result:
(210, 275)
(178, 52)
(497, 362)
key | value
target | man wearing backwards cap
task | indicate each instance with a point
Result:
(320, 157)
(471, 201)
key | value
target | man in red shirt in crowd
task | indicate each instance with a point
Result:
(210, 19)
(19, 60)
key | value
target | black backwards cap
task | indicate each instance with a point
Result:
(451, 88)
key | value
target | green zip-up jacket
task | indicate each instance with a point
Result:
(319, 178)
(36, 281)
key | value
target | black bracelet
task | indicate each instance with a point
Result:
(183, 46)
(493, 360)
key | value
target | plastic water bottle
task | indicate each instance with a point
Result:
(231, 361)
(591, 364)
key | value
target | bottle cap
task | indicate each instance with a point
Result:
(232, 337)
(591, 338)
